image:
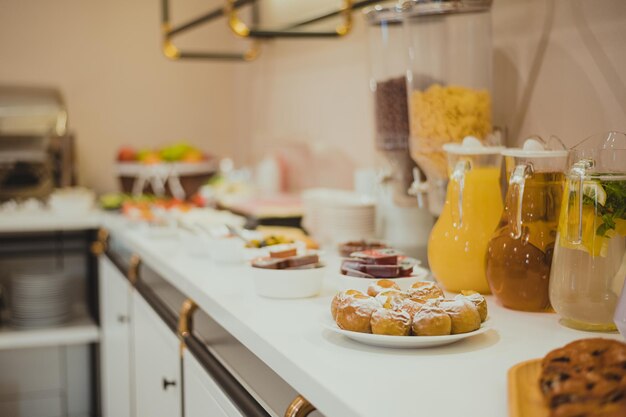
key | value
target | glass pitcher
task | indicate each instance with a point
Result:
(520, 251)
(589, 264)
(458, 241)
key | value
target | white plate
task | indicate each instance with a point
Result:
(406, 342)
(345, 282)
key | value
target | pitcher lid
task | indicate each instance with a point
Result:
(604, 152)
(472, 146)
(535, 147)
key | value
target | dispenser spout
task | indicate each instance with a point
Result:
(418, 189)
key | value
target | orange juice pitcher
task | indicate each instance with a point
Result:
(458, 242)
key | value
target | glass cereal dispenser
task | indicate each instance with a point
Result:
(401, 222)
(388, 63)
(449, 78)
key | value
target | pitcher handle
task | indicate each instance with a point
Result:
(517, 182)
(458, 176)
(574, 206)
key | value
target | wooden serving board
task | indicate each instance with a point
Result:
(525, 399)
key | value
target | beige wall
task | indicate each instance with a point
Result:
(559, 68)
(105, 57)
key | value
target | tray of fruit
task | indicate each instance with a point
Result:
(156, 167)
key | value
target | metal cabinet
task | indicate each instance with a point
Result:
(115, 296)
(157, 364)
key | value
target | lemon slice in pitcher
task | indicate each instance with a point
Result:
(590, 242)
(595, 191)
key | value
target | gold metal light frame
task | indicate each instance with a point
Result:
(241, 29)
(172, 52)
(299, 407)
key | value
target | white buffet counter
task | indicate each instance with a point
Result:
(344, 378)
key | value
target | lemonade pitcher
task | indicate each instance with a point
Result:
(589, 265)
(520, 251)
(458, 241)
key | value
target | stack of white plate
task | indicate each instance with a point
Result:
(335, 216)
(39, 300)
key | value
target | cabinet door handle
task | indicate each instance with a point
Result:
(167, 384)
(299, 407)
(121, 318)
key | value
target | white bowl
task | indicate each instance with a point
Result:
(253, 253)
(345, 282)
(288, 283)
(228, 250)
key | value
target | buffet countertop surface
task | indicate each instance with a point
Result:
(342, 377)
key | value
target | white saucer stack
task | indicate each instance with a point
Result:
(39, 300)
(335, 216)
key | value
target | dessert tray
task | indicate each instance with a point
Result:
(525, 398)
(406, 342)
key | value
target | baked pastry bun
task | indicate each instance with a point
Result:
(391, 298)
(410, 306)
(478, 300)
(381, 285)
(431, 320)
(463, 313)
(338, 298)
(391, 322)
(354, 313)
(422, 291)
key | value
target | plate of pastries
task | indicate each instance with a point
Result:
(418, 317)
(585, 378)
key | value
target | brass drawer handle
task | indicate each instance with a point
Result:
(299, 407)
(185, 325)
(133, 269)
(101, 245)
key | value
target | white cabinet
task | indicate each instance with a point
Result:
(156, 363)
(203, 397)
(115, 293)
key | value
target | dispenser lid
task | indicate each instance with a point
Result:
(381, 13)
(471, 146)
(417, 8)
(535, 147)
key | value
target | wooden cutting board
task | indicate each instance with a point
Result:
(525, 399)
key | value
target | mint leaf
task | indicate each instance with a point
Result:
(602, 229)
